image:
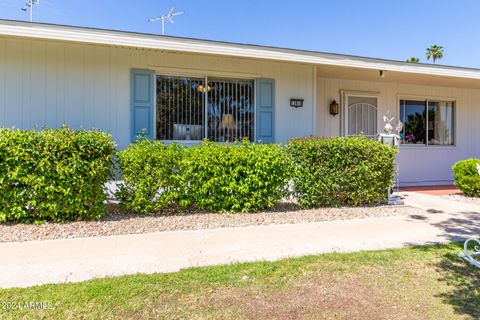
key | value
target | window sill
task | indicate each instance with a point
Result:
(193, 142)
(424, 146)
(183, 142)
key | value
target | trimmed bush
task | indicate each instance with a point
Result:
(53, 175)
(149, 170)
(242, 177)
(467, 178)
(340, 171)
(218, 177)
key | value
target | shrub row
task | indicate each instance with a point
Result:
(250, 177)
(240, 177)
(60, 175)
(467, 177)
(54, 175)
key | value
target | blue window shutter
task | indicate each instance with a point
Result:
(142, 103)
(265, 114)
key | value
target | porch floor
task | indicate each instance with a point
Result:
(433, 190)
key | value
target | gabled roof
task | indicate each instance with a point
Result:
(177, 44)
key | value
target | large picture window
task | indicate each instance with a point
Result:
(427, 122)
(197, 108)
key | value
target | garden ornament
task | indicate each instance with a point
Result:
(391, 137)
(388, 136)
(388, 129)
(471, 252)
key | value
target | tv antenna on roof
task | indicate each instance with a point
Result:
(168, 17)
(29, 6)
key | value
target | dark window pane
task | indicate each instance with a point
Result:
(413, 116)
(230, 110)
(180, 108)
(440, 123)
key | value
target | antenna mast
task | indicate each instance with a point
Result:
(29, 6)
(165, 17)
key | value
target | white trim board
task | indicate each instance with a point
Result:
(190, 72)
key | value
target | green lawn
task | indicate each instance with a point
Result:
(415, 283)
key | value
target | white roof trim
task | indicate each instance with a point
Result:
(147, 41)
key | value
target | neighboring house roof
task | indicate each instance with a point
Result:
(177, 44)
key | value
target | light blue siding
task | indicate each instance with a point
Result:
(89, 86)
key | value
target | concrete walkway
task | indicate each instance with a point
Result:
(39, 262)
(433, 203)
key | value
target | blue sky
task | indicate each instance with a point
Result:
(392, 29)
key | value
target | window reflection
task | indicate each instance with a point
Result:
(427, 122)
(413, 115)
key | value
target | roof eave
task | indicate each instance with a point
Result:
(135, 40)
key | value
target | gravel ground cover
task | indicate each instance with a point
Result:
(463, 198)
(117, 222)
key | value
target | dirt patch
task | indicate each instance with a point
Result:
(368, 294)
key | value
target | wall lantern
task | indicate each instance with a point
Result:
(334, 108)
(296, 103)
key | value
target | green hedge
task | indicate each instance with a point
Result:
(53, 175)
(60, 175)
(228, 177)
(340, 171)
(467, 178)
(242, 177)
(149, 172)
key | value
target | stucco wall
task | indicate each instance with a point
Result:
(418, 164)
(47, 83)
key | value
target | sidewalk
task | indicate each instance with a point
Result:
(39, 262)
(435, 203)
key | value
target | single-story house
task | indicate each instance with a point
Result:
(180, 89)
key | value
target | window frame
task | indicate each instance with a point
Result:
(428, 99)
(192, 73)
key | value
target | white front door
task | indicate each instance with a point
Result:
(360, 115)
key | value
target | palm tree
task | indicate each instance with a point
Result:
(413, 60)
(435, 52)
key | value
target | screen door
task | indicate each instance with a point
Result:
(361, 116)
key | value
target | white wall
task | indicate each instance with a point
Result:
(47, 83)
(418, 165)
